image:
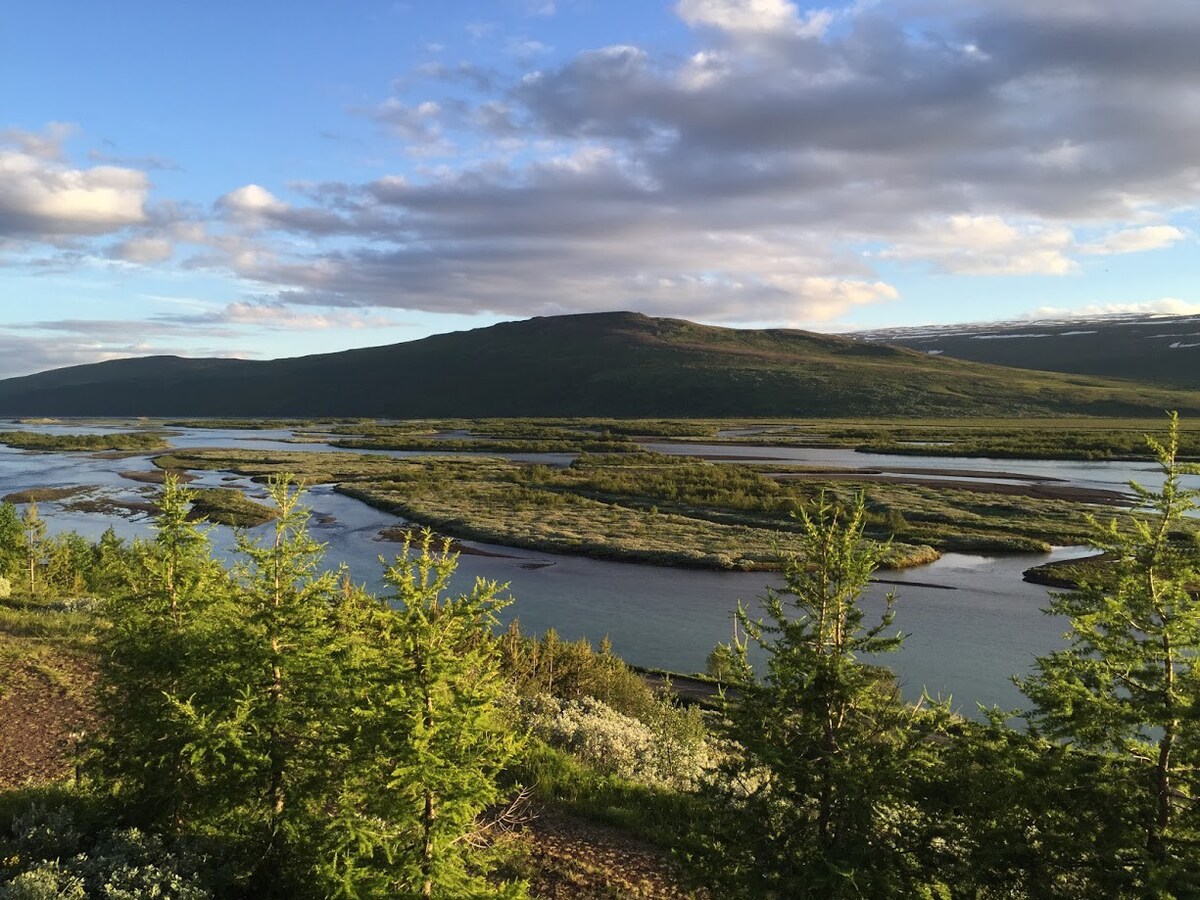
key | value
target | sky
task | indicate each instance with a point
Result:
(286, 177)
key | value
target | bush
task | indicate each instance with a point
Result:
(671, 751)
(49, 881)
(5, 588)
(53, 859)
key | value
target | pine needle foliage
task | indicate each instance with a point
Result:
(433, 738)
(1128, 684)
(812, 802)
(165, 595)
(330, 744)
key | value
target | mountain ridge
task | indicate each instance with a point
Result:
(1164, 349)
(620, 364)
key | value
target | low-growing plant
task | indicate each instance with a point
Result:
(50, 856)
(670, 752)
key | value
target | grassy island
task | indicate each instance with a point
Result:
(671, 510)
(124, 440)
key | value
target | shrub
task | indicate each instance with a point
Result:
(669, 751)
(49, 881)
(55, 860)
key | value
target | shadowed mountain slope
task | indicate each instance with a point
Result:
(1160, 349)
(600, 364)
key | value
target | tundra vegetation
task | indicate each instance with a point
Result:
(272, 730)
(139, 441)
(657, 508)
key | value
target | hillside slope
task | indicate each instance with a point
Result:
(601, 364)
(1160, 349)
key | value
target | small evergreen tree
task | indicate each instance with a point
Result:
(34, 528)
(434, 735)
(161, 643)
(813, 800)
(12, 540)
(270, 738)
(1129, 683)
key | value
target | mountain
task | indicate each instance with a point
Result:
(1160, 349)
(599, 364)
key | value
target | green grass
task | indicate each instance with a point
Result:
(127, 440)
(667, 510)
(24, 617)
(664, 817)
(1000, 438)
(226, 506)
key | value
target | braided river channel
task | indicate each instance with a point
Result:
(971, 621)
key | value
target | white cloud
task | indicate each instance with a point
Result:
(1164, 306)
(1135, 240)
(251, 202)
(143, 250)
(988, 245)
(281, 316)
(43, 196)
(753, 17)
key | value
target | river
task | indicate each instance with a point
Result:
(971, 621)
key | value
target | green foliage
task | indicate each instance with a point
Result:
(669, 818)
(573, 670)
(1009, 815)
(334, 746)
(49, 856)
(670, 750)
(12, 540)
(814, 799)
(38, 440)
(1129, 683)
(33, 527)
(267, 742)
(226, 506)
(167, 616)
(431, 739)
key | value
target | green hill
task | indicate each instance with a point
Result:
(601, 364)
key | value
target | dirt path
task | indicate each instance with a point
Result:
(578, 860)
(44, 705)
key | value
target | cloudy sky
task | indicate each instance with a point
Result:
(294, 176)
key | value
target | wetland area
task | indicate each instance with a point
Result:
(647, 532)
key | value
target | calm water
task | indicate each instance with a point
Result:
(971, 621)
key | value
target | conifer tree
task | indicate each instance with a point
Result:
(813, 801)
(34, 528)
(12, 540)
(434, 737)
(1128, 684)
(273, 741)
(160, 643)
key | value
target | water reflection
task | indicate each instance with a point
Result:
(971, 621)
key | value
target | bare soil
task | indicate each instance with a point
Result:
(577, 860)
(46, 705)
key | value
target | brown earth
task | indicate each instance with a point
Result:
(45, 707)
(572, 859)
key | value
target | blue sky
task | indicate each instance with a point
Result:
(277, 178)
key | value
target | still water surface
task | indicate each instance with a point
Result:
(971, 621)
